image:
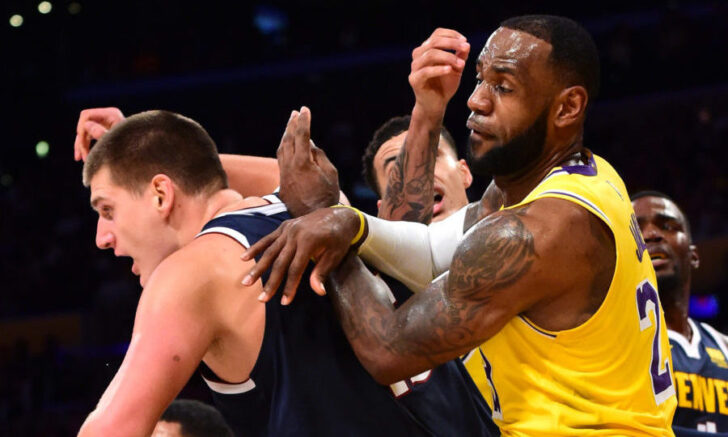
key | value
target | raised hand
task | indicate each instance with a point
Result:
(93, 124)
(308, 179)
(437, 66)
(324, 235)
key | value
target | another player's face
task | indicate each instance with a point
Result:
(510, 105)
(665, 232)
(452, 176)
(130, 224)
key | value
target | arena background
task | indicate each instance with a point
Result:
(66, 308)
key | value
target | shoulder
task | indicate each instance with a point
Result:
(558, 243)
(197, 272)
(551, 223)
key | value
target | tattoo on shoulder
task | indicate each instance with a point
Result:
(498, 252)
(491, 202)
(472, 215)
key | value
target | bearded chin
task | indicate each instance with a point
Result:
(513, 156)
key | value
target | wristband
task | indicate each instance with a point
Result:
(362, 222)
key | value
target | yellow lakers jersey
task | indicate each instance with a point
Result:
(610, 376)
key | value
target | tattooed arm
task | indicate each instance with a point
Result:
(507, 264)
(410, 183)
(437, 65)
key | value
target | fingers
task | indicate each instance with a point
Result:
(295, 272)
(323, 268)
(302, 148)
(285, 148)
(272, 246)
(452, 33)
(277, 273)
(95, 130)
(417, 78)
(81, 146)
(438, 57)
(455, 43)
(102, 119)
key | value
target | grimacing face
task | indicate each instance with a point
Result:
(666, 234)
(452, 176)
(510, 104)
(130, 224)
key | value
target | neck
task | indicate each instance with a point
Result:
(515, 187)
(192, 214)
(676, 309)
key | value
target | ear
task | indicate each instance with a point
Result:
(163, 194)
(379, 204)
(465, 174)
(694, 258)
(571, 106)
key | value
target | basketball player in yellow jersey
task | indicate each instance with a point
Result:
(555, 287)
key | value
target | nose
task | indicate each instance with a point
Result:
(481, 101)
(651, 233)
(104, 237)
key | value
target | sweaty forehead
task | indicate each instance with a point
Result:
(653, 206)
(514, 47)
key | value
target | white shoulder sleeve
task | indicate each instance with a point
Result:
(412, 253)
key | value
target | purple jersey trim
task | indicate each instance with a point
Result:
(579, 198)
(583, 169)
(536, 328)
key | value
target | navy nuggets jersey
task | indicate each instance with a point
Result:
(461, 409)
(701, 379)
(307, 380)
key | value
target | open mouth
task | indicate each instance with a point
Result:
(659, 259)
(438, 202)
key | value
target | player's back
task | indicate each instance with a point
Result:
(608, 376)
(701, 379)
(307, 380)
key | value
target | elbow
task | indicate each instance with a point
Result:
(95, 426)
(386, 377)
(384, 370)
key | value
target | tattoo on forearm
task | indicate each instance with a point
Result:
(448, 318)
(410, 193)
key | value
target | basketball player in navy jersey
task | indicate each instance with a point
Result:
(699, 352)
(162, 199)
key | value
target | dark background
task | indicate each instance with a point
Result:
(66, 308)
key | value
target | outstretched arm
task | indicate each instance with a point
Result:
(251, 175)
(437, 66)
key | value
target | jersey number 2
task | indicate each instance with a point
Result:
(648, 301)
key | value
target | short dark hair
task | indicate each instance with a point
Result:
(574, 53)
(650, 193)
(196, 419)
(654, 193)
(391, 128)
(154, 142)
